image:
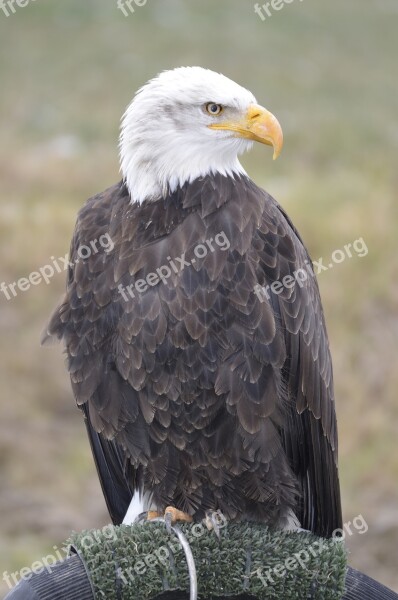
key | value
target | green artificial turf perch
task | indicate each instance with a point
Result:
(139, 562)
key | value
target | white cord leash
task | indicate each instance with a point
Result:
(193, 580)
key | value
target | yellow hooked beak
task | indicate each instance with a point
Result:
(258, 125)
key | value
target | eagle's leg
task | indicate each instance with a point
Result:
(175, 515)
(152, 514)
(171, 516)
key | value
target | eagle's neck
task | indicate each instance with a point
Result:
(148, 179)
(153, 170)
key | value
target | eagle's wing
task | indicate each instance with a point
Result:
(310, 431)
(110, 340)
(85, 321)
(116, 475)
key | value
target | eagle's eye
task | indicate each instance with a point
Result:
(214, 109)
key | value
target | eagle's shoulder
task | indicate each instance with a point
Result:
(99, 211)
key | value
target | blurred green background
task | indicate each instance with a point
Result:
(328, 70)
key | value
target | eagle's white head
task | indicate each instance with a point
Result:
(187, 123)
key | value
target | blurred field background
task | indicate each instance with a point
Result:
(328, 70)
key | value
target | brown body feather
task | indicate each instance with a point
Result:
(195, 392)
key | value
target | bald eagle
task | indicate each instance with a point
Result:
(203, 385)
